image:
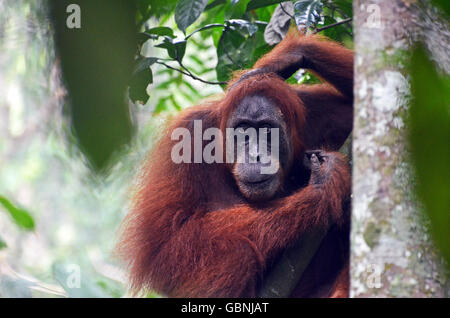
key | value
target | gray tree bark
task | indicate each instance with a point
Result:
(392, 254)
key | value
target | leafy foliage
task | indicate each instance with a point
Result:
(187, 11)
(240, 45)
(237, 28)
(308, 12)
(444, 5)
(97, 80)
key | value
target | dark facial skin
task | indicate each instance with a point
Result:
(259, 112)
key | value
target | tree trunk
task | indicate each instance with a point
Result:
(391, 251)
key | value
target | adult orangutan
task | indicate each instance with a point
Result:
(216, 229)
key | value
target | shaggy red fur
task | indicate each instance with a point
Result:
(191, 234)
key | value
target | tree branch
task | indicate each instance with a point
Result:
(186, 72)
(206, 27)
(332, 25)
(285, 275)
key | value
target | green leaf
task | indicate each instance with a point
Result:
(174, 102)
(153, 34)
(264, 13)
(161, 31)
(192, 90)
(429, 140)
(144, 37)
(214, 4)
(345, 5)
(143, 11)
(239, 7)
(307, 12)
(20, 216)
(255, 4)
(111, 287)
(160, 7)
(142, 77)
(160, 107)
(97, 63)
(187, 11)
(144, 63)
(247, 27)
(3, 244)
(175, 48)
(143, 6)
(444, 5)
(203, 28)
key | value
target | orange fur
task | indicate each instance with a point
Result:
(191, 234)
